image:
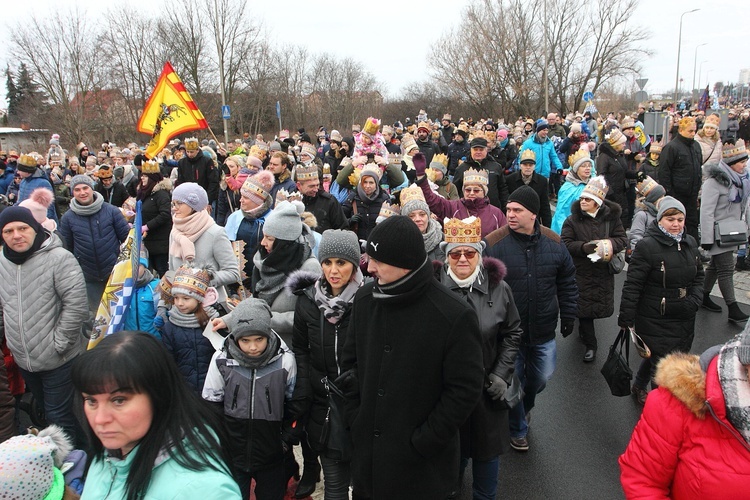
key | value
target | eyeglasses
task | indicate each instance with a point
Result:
(473, 190)
(456, 254)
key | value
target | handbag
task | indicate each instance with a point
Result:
(616, 370)
(335, 436)
(617, 263)
(513, 394)
(729, 233)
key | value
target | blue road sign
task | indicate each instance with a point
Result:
(588, 96)
(225, 114)
(278, 110)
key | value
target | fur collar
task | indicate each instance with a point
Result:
(494, 269)
(299, 280)
(682, 375)
(163, 185)
(609, 211)
(715, 172)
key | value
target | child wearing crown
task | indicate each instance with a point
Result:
(182, 331)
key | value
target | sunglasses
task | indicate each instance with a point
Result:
(586, 199)
(473, 190)
(456, 254)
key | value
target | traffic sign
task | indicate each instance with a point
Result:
(588, 96)
(641, 96)
(225, 114)
(641, 82)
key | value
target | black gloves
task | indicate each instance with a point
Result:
(707, 246)
(497, 387)
(588, 248)
(420, 164)
(566, 327)
(641, 176)
(356, 219)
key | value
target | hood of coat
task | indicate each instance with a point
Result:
(610, 210)
(682, 375)
(494, 269)
(299, 280)
(714, 171)
(163, 185)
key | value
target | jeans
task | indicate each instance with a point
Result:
(721, 266)
(53, 391)
(484, 481)
(534, 366)
(336, 478)
(270, 483)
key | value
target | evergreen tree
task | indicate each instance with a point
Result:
(13, 95)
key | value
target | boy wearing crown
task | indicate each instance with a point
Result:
(321, 204)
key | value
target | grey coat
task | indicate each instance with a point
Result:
(716, 207)
(42, 306)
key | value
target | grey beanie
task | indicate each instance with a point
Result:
(666, 203)
(192, 195)
(655, 194)
(339, 244)
(415, 204)
(81, 179)
(284, 222)
(250, 317)
(436, 165)
(743, 350)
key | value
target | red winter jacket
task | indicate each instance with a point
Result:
(679, 449)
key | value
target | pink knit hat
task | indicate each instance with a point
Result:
(38, 203)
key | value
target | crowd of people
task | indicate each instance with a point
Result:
(388, 300)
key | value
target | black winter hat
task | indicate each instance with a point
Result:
(22, 214)
(397, 241)
(478, 142)
(527, 197)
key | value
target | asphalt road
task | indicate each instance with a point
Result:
(578, 428)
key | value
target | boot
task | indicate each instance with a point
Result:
(735, 313)
(710, 304)
(310, 477)
(741, 264)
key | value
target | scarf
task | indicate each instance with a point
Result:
(257, 362)
(735, 386)
(333, 308)
(433, 236)
(272, 269)
(526, 180)
(189, 320)
(363, 196)
(739, 190)
(676, 237)
(87, 210)
(233, 183)
(19, 258)
(407, 288)
(144, 278)
(185, 231)
(283, 176)
(469, 280)
(573, 178)
(256, 212)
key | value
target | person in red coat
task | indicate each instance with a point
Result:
(693, 439)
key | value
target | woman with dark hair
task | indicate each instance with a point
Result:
(154, 193)
(151, 436)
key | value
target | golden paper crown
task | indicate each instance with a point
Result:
(192, 144)
(303, 173)
(372, 125)
(528, 155)
(441, 158)
(596, 187)
(655, 148)
(646, 185)
(408, 143)
(490, 135)
(627, 123)
(394, 159)
(150, 167)
(257, 152)
(463, 231)
(387, 210)
(410, 193)
(284, 195)
(472, 176)
(27, 161)
(424, 125)
(582, 153)
(372, 169)
(615, 137)
(104, 172)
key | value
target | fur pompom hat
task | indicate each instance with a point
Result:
(38, 203)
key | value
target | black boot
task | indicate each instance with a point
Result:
(310, 477)
(710, 304)
(741, 264)
(735, 313)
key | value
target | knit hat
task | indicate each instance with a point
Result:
(81, 179)
(412, 199)
(650, 189)
(596, 189)
(616, 137)
(478, 142)
(542, 125)
(339, 244)
(372, 170)
(743, 350)
(26, 163)
(575, 127)
(397, 242)
(734, 153)
(462, 233)
(440, 162)
(502, 134)
(30, 465)
(408, 143)
(195, 283)
(18, 213)
(251, 317)
(666, 203)
(38, 203)
(192, 195)
(309, 150)
(91, 161)
(258, 187)
(284, 223)
(527, 197)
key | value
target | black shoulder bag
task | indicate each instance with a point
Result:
(335, 436)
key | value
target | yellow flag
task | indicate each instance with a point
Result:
(170, 111)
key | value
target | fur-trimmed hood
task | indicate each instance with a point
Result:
(714, 171)
(163, 185)
(299, 280)
(682, 375)
(494, 269)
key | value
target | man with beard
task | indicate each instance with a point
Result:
(447, 130)
(426, 146)
(480, 160)
(321, 204)
(198, 168)
(279, 165)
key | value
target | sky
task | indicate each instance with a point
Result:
(393, 40)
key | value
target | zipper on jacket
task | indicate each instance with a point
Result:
(234, 399)
(268, 400)
(663, 304)
(731, 430)
(336, 348)
(20, 317)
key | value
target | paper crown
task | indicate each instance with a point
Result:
(191, 281)
(410, 193)
(394, 159)
(371, 169)
(55, 156)
(596, 188)
(712, 119)
(424, 125)
(615, 137)
(472, 176)
(441, 158)
(655, 148)
(192, 144)
(528, 155)
(284, 195)
(447, 116)
(581, 154)
(257, 152)
(646, 185)
(122, 154)
(387, 210)
(627, 123)
(463, 231)
(408, 143)
(150, 167)
(372, 125)
(309, 150)
(490, 135)
(306, 173)
(283, 134)
(387, 129)
(733, 153)
(104, 172)
(27, 161)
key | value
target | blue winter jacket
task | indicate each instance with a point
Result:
(36, 180)
(6, 177)
(546, 156)
(542, 276)
(95, 239)
(191, 351)
(142, 310)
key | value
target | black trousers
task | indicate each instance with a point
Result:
(270, 482)
(588, 334)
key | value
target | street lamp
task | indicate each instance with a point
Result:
(679, 46)
(695, 60)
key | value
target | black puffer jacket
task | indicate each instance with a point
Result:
(680, 168)
(369, 210)
(156, 214)
(663, 291)
(191, 351)
(596, 286)
(200, 170)
(614, 167)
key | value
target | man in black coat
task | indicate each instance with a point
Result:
(479, 159)
(680, 173)
(111, 190)
(426, 146)
(322, 205)
(198, 168)
(458, 150)
(527, 177)
(412, 371)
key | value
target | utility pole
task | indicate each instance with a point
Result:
(220, 52)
